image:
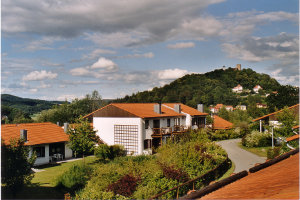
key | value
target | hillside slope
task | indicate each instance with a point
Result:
(209, 88)
(28, 106)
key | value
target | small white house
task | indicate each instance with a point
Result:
(141, 126)
(238, 89)
(241, 107)
(257, 88)
(48, 140)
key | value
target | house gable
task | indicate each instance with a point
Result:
(112, 111)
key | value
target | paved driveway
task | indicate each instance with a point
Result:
(242, 159)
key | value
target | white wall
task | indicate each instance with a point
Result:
(41, 160)
(68, 151)
(105, 128)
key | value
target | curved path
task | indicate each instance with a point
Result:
(242, 159)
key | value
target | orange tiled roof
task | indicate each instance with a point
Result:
(146, 110)
(186, 109)
(220, 123)
(294, 137)
(37, 133)
(218, 106)
(297, 126)
(274, 113)
(278, 181)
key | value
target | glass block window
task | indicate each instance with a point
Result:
(127, 135)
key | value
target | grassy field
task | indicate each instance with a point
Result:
(260, 151)
(43, 183)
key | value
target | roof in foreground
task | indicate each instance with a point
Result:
(146, 110)
(220, 123)
(278, 181)
(274, 113)
(37, 133)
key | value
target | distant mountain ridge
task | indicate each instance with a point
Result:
(27, 105)
(209, 88)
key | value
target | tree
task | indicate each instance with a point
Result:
(286, 95)
(82, 137)
(288, 119)
(16, 165)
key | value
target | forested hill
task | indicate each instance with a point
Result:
(209, 88)
(26, 105)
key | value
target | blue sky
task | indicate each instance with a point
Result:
(57, 50)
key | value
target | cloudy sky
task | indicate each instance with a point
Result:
(65, 49)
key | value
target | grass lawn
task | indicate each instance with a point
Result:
(43, 183)
(260, 151)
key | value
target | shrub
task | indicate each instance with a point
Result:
(171, 172)
(105, 152)
(125, 186)
(257, 139)
(75, 177)
(272, 153)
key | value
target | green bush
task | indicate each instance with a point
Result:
(257, 139)
(105, 153)
(227, 134)
(272, 153)
(75, 177)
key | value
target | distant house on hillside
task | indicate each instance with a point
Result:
(238, 89)
(141, 126)
(271, 118)
(257, 88)
(217, 108)
(241, 107)
(48, 140)
(261, 105)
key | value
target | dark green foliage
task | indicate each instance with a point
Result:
(105, 153)
(15, 165)
(82, 137)
(210, 88)
(125, 186)
(286, 96)
(13, 115)
(75, 178)
(272, 153)
(69, 112)
(228, 134)
(288, 118)
(171, 172)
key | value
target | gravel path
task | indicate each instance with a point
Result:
(242, 159)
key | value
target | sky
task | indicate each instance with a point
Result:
(61, 50)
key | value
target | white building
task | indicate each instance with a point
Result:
(241, 107)
(237, 89)
(257, 88)
(48, 140)
(141, 126)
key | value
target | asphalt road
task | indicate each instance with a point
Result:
(242, 159)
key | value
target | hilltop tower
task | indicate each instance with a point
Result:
(238, 67)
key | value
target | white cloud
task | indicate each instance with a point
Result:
(171, 74)
(181, 45)
(105, 64)
(97, 52)
(81, 71)
(137, 55)
(39, 75)
(5, 90)
(33, 90)
(68, 97)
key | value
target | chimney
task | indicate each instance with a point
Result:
(177, 108)
(66, 126)
(23, 135)
(157, 108)
(200, 108)
(57, 123)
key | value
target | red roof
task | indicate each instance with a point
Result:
(294, 137)
(274, 113)
(278, 181)
(146, 110)
(220, 123)
(37, 133)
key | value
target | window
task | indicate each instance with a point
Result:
(168, 122)
(40, 151)
(146, 124)
(177, 121)
(127, 135)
